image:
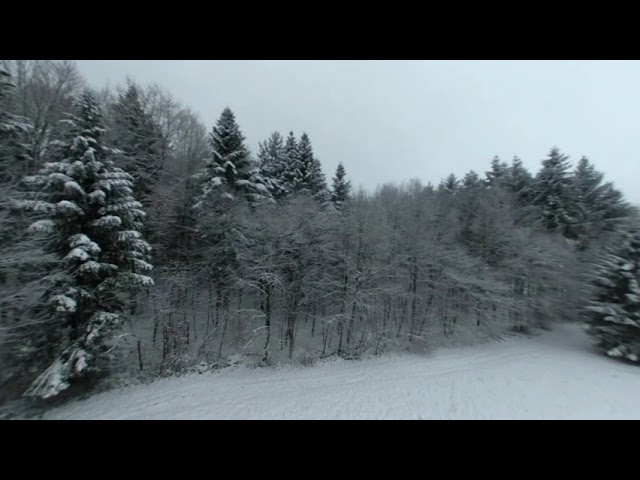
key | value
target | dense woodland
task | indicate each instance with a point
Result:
(137, 242)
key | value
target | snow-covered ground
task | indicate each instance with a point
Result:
(554, 375)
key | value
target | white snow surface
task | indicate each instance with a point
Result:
(552, 375)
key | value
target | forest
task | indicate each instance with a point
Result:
(137, 242)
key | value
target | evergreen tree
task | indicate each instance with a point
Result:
(467, 206)
(520, 181)
(230, 172)
(613, 314)
(271, 159)
(308, 172)
(611, 207)
(91, 223)
(498, 173)
(139, 139)
(289, 176)
(471, 181)
(586, 186)
(341, 191)
(553, 194)
(449, 185)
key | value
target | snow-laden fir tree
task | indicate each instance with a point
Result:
(519, 180)
(471, 181)
(89, 219)
(341, 188)
(613, 315)
(553, 194)
(307, 171)
(467, 206)
(449, 185)
(230, 172)
(498, 173)
(586, 185)
(599, 205)
(137, 136)
(271, 161)
(289, 174)
(612, 207)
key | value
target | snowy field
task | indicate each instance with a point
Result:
(553, 375)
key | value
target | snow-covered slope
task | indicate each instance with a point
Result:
(554, 375)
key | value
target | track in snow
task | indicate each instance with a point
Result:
(555, 375)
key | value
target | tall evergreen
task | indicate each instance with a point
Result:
(520, 181)
(471, 181)
(230, 172)
(90, 222)
(467, 205)
(341, 189)
(308, 174)
(449, 185)
(613, 315)
(139, 139)
(498, 173)
(553, 194)
(271, 160)
(290, 153)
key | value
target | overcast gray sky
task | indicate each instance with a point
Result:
(395, 120)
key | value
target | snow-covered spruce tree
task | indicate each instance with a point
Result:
(136, 135)
(519, 181)
(230, 171)
(271, 161)
(290, 164)
(552, 193)
(467, 206)
(449, 185)
(341, 189)
(471, 181)
(613, 315)
(498, 173)
(91, 222)
(309, 178)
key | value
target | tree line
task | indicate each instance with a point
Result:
(135, 241)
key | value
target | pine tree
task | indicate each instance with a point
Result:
(91, 223)
(271, 159)
(341, 191)
(553, 193)
(498, 173)
(309, 178)
(471, 181)
(449, 185)
(586, 185)
(139, 139)
(467, 206)
(231, 172)
(611, 208)
(520, 181)
(289, 177)
(613, 315)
